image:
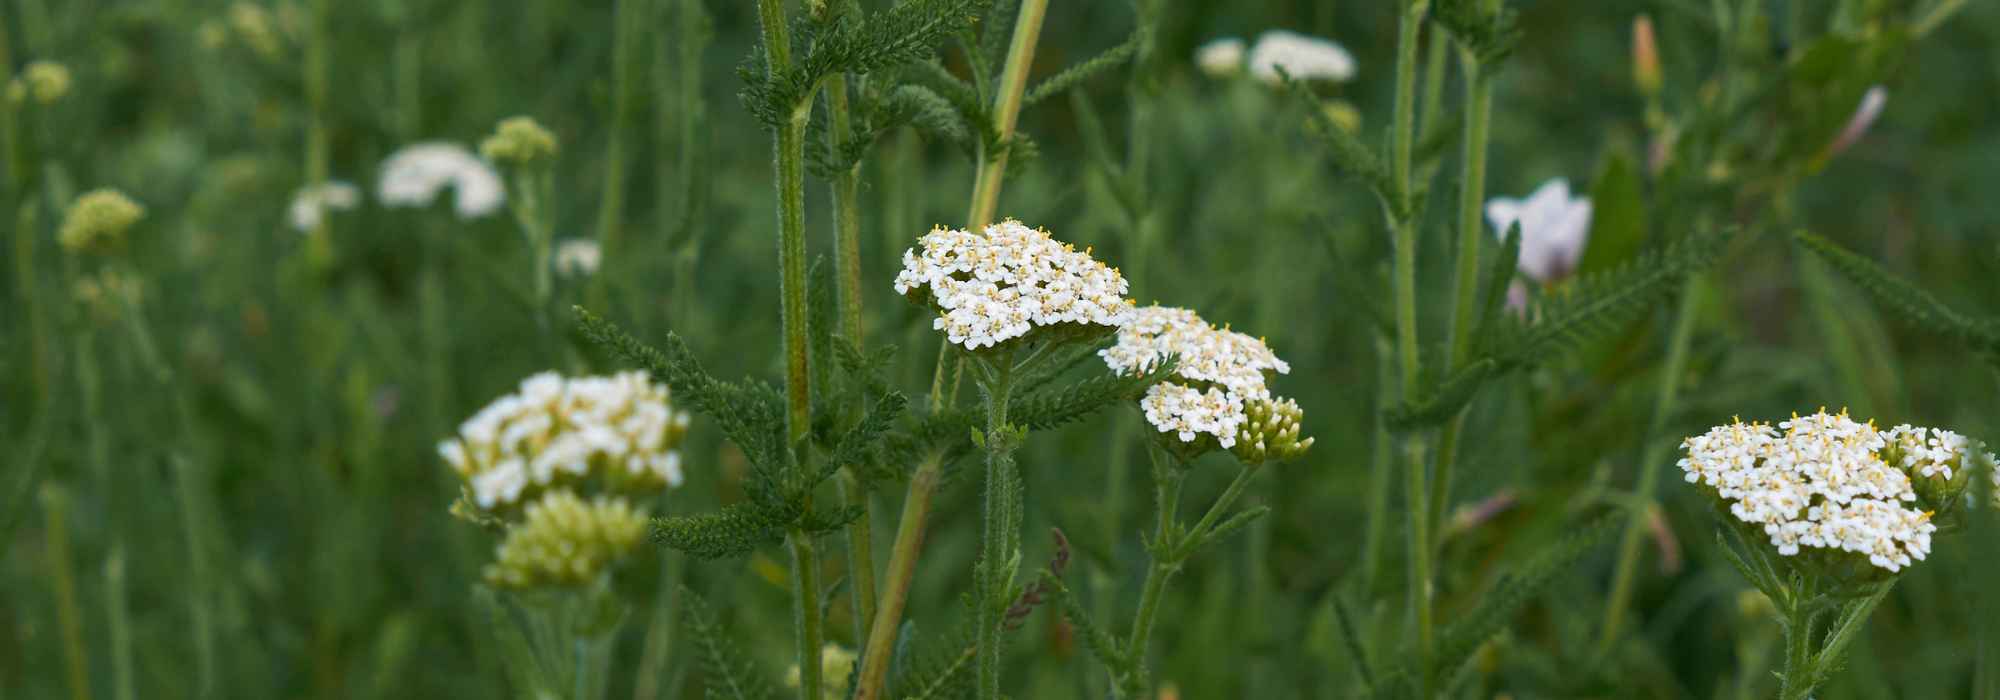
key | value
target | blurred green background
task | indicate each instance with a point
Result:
(273, 522)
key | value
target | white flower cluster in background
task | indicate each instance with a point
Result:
(1302, 57)
(1221, 58)
(995, 286)
(578, 257)
(1554, 229)
(1216, 373)
(413, 177)
(1821, 481)
(311, 204)
(621, 428)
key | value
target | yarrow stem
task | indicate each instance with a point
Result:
(902, 569)
(1006, 110)
(999, 543)
(1405, 271)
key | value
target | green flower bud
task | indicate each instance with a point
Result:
(97, 221)
(1271, 432)
(45, 81)
(566, 541)
(521, 141)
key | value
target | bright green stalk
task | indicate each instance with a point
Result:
(1384, 457)
(1465, 286)
(1171, 548)
(55, 508)
(805, 613)
(1006, 111)
(881, 639)
(1663, 407)
(1405, 270)
(999, 541)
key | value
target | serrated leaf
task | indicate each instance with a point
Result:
(750, 414)
(1904, 300)
(1075, 75)
(734, 531)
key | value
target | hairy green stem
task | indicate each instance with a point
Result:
(1006, 110)
(1627, 567)
(805, 613)
(881, 639)
(999, 541)
(1383, 459)
(847, 256)
(1796, 680)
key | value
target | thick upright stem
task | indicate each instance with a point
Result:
(1663, 406)
(999, 551)
(881, 639)
(847, 255)
(1006, 110)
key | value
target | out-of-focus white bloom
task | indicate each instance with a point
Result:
(1216, 372)
(578, 257)
(836, 663)
(1221, 58)
(1818, 481)
(555, 431)
(564, 540)
(999, 285)
(1303, 57)
(1554, 228)
(1864, 116)
(412, 177)
(310, 205)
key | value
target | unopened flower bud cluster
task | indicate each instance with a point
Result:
(1218, 373)
(520, 141)
(1270, 432)
(46, 82)
(1008, 281)
(96, 222)
(564, 540)
(1825, 481)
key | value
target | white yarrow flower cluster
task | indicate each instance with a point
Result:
(310, 205)
(1817, 481)
(578, 257)
(1929, 452)
(1008, 281)
(413, 177)
(1216, 373)
(555, 430)
(1302, 57)
(1554, 228)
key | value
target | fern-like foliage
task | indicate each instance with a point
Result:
(1491, 36)
(1075, 75)
(750, 414)
(1458, 641)
(939, 669)
(1586, 311)
(734, 531)
(847, 42)
(728, 674)
(1347, 152)
(1901, 298)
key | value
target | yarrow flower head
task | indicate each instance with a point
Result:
(47, 82)
(620, 432)
(413, 177)
(564, 540)
(311, 204)
(578, 257)
(1554, 228)
(520, 141)
(1299, 56)
(1827, 483)
(1217, 395)
(1010, 282)
(97, 221)
(1221, 58)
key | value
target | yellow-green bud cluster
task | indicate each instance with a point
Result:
(1270, 432)
(107, 293)
(836, 663)
(521, 141)
(96, 222)
(564, 540)
(45, 81)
